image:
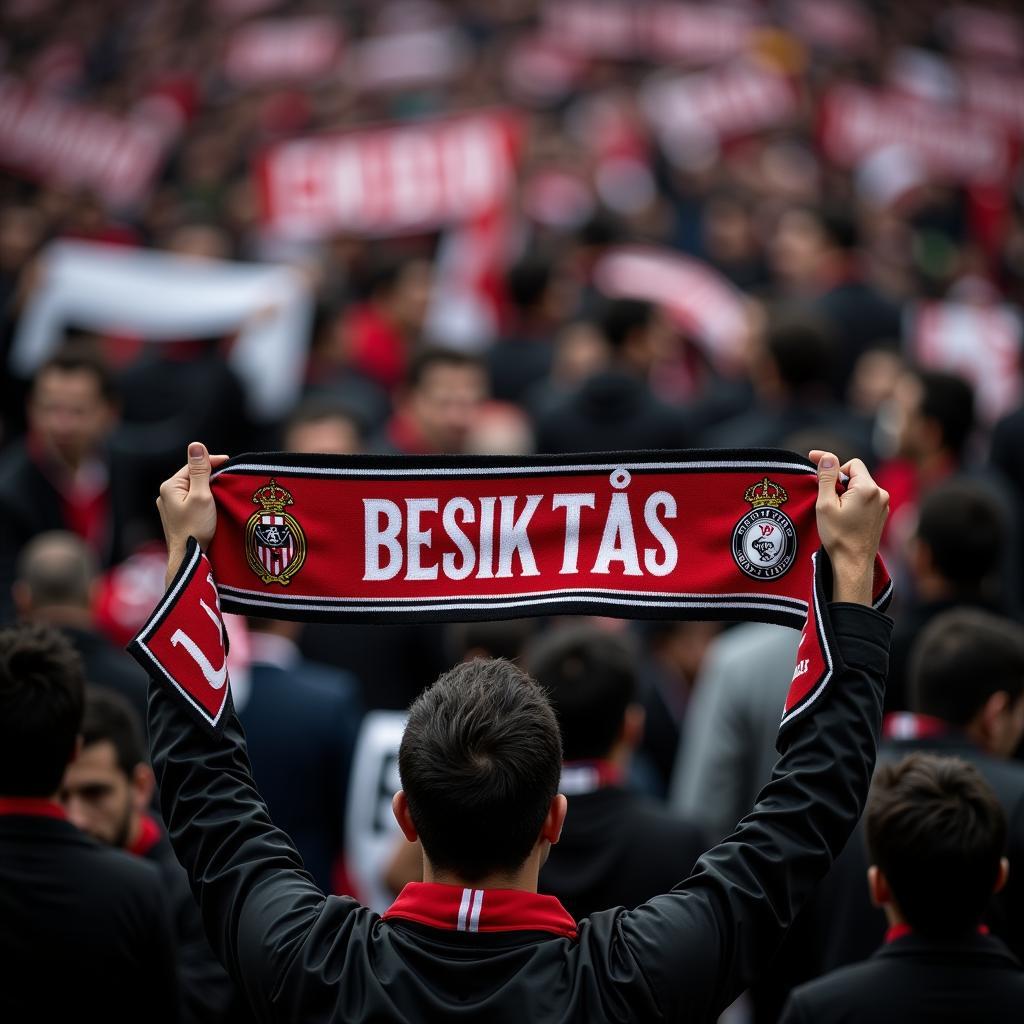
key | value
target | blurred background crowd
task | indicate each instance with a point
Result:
(510, 226)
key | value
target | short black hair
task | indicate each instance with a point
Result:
(480, 761)
(802, 349)
(320, 406)
(965, 530)
(82, 357)
(937, 832)
(949, 401)
(430, 356)
(590, 678)
(620, 318)
(42, 691)
(527, 280)
(960, 659)
(110, 718)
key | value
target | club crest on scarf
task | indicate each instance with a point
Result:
(764, 540)
(275, 545)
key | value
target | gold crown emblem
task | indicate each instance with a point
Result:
(766, 493)
(273, 497)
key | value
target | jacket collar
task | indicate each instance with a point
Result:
(31, 806)
(455, 908)
(969, 947)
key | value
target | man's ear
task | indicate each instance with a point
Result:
(1002, 876)
(878, 887)
(632, 733)
(400, 809)
(987, 725)
(551, 830)
(22, 594)
(143, 784)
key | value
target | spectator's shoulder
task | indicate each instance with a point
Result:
(846, 987)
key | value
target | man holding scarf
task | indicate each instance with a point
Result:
(480, 763)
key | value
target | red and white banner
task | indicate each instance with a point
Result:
(981, 343)
(722, 103)
(390, 180)
(68, 144)
(983, 33)
(275, 50)
(997, 95)
(655, 29)
(707, 535)
(703, 302)
(856, 122)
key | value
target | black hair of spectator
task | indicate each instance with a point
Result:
(965, 530)
(949, 401)
(937, 832)
(491, 638)
(527, 281)
(839, 227)
(426, 358)
(802, 349)
(621, 318)
(480, 761)
(320, 406)
(110, 718)
(602, 229)
(590, 678)
(81, 357)
(960, 659)
(42, 693)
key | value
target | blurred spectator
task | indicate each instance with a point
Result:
(323, 423)
(618, 848)
(814, 255)
(301, 721)
(379, 335)
(791, 371)
(443, 396)
(614, 408)
(955, 558)
(86, 930)
(55, 584)
(936, 835)
(59, 476)
(107, 792)
(967, 701)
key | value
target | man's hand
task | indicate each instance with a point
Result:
(850, 525)
(186, 505)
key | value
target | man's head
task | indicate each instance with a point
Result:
(590, 678)
(480, 761)
(796, 358)
(108, 787)
(402, 288)
(960, 539)
(42, 691)
(445, 392)
(636, 331)
(323, 423)
(967, 668)
(936, 836)
(72, 406)
(54, 578)
(936, 415)
(810, 243)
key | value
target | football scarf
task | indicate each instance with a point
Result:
(678, 535)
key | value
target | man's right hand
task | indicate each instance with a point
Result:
(850, 525)
(186, 505)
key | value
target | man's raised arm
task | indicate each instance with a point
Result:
(701, 944)
(257, 902)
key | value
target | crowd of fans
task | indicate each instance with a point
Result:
(872, 307)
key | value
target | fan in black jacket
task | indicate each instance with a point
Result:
(471, 950)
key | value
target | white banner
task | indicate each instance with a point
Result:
(283, 50)
(159, 296)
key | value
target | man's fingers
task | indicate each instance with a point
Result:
(828, 474)
(218, 460)
(199, 468)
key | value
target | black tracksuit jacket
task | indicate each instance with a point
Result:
(300, 956)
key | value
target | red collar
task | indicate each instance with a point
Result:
(481, 910)
(148, 837)
(899, 931)
(588, 776)
(31, 806)
(906, 725)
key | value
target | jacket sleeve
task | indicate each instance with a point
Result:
(701, 944)
(257, 901)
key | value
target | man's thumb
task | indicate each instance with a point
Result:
(198, 465)
(828, 476)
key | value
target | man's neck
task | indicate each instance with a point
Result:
(67, 615)
(524, 879)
